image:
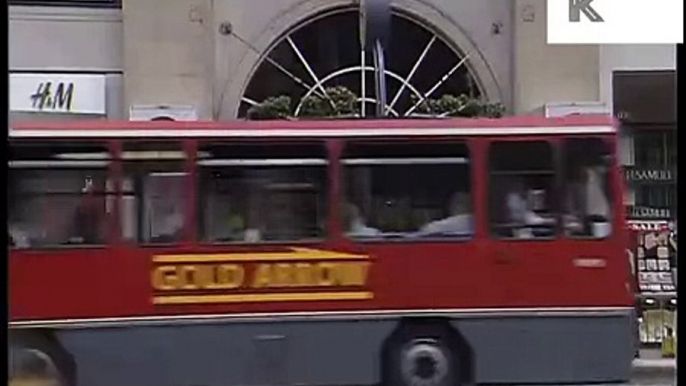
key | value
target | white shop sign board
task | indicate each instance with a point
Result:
(58, 93)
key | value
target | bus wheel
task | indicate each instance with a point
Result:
(422, 360)
(34, 360)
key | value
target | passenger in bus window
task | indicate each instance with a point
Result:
(17, 237)
(236, 225)
(355, 223)
(164, 206)
(16, 232)
(573, 205)
(587, 210)
(23, 225)
(460, 221)
(257, 211)
(166, 223)
(88, 215)
(598, 207)
(587, 206)
(252, 235)
(519, 209)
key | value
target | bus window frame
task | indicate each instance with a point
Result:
(184, 146)
(613, 167)
(554, 144)
(468, 142)
(108, 241)
(328, 147)
(333, 231)
(116, 174)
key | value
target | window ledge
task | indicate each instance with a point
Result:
(74, 13)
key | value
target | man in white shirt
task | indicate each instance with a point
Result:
(460, 222)
(356, 225)
(518, 207)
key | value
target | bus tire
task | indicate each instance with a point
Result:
(35, 355)
(422, 355)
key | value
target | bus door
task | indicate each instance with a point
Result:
(523, 223)
(61, 201)
(594, 255)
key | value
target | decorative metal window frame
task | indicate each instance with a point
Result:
(316, 83)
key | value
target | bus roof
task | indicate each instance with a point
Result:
(523, 125)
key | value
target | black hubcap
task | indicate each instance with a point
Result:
(426, 367)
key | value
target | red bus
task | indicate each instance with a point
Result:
(396, 252)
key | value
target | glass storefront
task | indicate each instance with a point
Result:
(656, 320)
(645, 103)
(654, 261)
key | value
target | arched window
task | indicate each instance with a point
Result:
(325, 51)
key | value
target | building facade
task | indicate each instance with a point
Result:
(217, 57)
(645, 102)
(65, 62)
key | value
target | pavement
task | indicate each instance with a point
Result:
(654, 368)
(651, 365)
(666, 363)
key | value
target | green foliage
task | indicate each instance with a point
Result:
(342, 102)
(461, 106)
(271, 108)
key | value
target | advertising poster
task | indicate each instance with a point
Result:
(655, 257)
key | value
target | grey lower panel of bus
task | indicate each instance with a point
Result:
(551, 350)
(508, 350)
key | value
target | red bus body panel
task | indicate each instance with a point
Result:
(482, 273)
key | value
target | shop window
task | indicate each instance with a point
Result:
(59, 194)
(407, 191)
(154, 193)
(655, 148)
(656, 196)
(657, 319)
(261, 193)
(522, 181)
(587, 191)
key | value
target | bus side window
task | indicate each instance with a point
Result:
(59, 194)
(587, 201)
(262, 192)
(153, 192)
(407, 191)
(522, 181)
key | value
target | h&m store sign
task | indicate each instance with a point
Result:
(58, 93)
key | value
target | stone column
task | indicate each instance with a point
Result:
(169, 54)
